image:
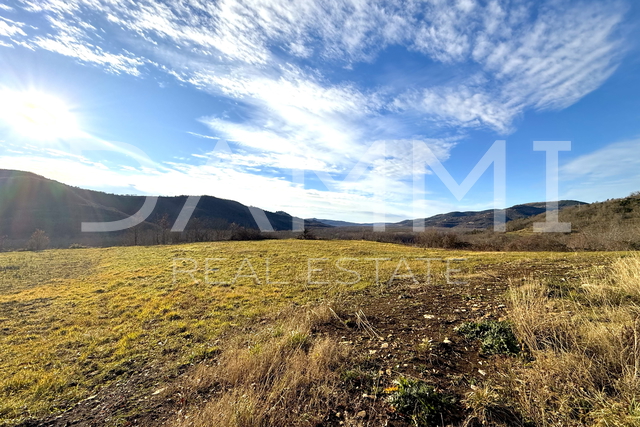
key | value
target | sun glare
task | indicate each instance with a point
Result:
(37, 115)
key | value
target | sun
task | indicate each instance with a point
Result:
(37, 115)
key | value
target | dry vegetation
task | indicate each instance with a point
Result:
(582, 360)
(75, 321)
(255, 352)
(283, 375)
(612, 225)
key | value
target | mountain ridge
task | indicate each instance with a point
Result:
(465, 219)
(29, 201)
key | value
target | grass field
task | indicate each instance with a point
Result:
(75, 321)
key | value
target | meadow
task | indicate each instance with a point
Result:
(75, 321)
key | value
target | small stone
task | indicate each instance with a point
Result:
(429, 316)
(373, 351)
(447, 341)
(362, 414)
(384, 345)
(481, 372)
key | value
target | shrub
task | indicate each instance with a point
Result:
(537, 242)
(242, 233)
(77, 246)
(307, 235)
(39, 241)
(438, 239)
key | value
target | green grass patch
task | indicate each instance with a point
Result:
(496, 337)
(420, 402)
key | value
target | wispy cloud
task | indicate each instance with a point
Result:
(526, 58)
(277, 59)
(9, 28)
(611, 171)
(519, 55)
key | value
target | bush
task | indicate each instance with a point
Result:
(537, 242)
(307, 235)
(77, 246)
(39, 241)
(242, 233)
(438, 239)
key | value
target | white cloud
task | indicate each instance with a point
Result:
(275, 59)
(612, 171)
(271, 193)
(9, 28)
(542, 59)
(519, 55)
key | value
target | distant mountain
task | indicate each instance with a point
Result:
(336, 223)
(29, 201)
(468, 219)
(484, 219)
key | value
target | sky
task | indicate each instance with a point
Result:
(273, 103)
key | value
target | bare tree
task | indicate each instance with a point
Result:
(165, 227)
(39, 241)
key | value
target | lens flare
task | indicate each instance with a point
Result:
(37, 115)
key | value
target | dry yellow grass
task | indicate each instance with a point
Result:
(283, 376)
(75, 321)
(584, 341)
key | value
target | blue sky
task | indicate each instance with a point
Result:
(312, 86)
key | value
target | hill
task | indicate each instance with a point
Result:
(29, 201)
(484, 219)
(337, 223)
(610, 225)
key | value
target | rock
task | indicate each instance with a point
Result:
(384, 345)
(481, 372)
(447, 341)
(361, 414)
(429, 316)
